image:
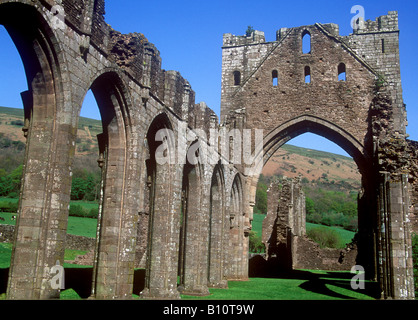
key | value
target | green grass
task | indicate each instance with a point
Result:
(258, 223)
(7, 218)
(302, 285)
(5, 255)
(76, 225)
(345, 235)
(82, 227)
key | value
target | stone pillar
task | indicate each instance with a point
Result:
(239, 242)
(163, 242)
(217, 243)
(101, 139)
(394, 241)
(285, 221)
(41, 224)
(196, 238)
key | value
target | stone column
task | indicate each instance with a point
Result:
(196, 228)
(217, 243)
(43, 208)
(394, 242)
(163, 243)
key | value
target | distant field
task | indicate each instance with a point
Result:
(77, 226)
(346, 236)
(301, 285)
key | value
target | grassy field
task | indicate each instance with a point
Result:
(76, 225)
(300, 285)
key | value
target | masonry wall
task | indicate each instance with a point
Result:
(344, 103)
(348, 90)
(125, 75)
(137, 98)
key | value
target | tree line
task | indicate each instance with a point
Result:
(330, 204)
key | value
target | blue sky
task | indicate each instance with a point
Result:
(188, 35)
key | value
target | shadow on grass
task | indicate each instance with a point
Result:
(316, 282)
(80, 280)
(4, 274)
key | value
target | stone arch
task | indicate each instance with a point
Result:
(164, 205)
(117, 207)
(308, 123)
(238, 243)
(194, 232)
(46, 182)
(219, 230)
(306, 40)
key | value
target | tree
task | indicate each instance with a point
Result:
(78, 189)
(249, 31)
(90, 184)
(256, 245)
(261, 199)
(310, 206)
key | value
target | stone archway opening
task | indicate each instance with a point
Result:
(289, 204)
(99, 162)
(311, 194)
(163, 219)
(13, 84)
(85, 200)
(39, 195)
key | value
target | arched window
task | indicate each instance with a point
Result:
(306, 42)
(307, 74)
(275, 78)
(341, 72)
(237, 78)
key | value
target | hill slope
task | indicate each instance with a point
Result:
(289, 161)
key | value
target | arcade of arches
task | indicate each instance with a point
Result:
(191, 218)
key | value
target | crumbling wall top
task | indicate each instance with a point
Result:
(386, 23)
(256, 37)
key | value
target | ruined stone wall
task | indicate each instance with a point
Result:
(348, 90)
(285, 220)
(413, 147)
(136, 99)
(377, 42)
(344, 103)
(309, 255)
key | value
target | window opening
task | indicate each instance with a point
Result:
(237, 78)
(341, 72)
(275, 78)
(306, 42)
(307, 74)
